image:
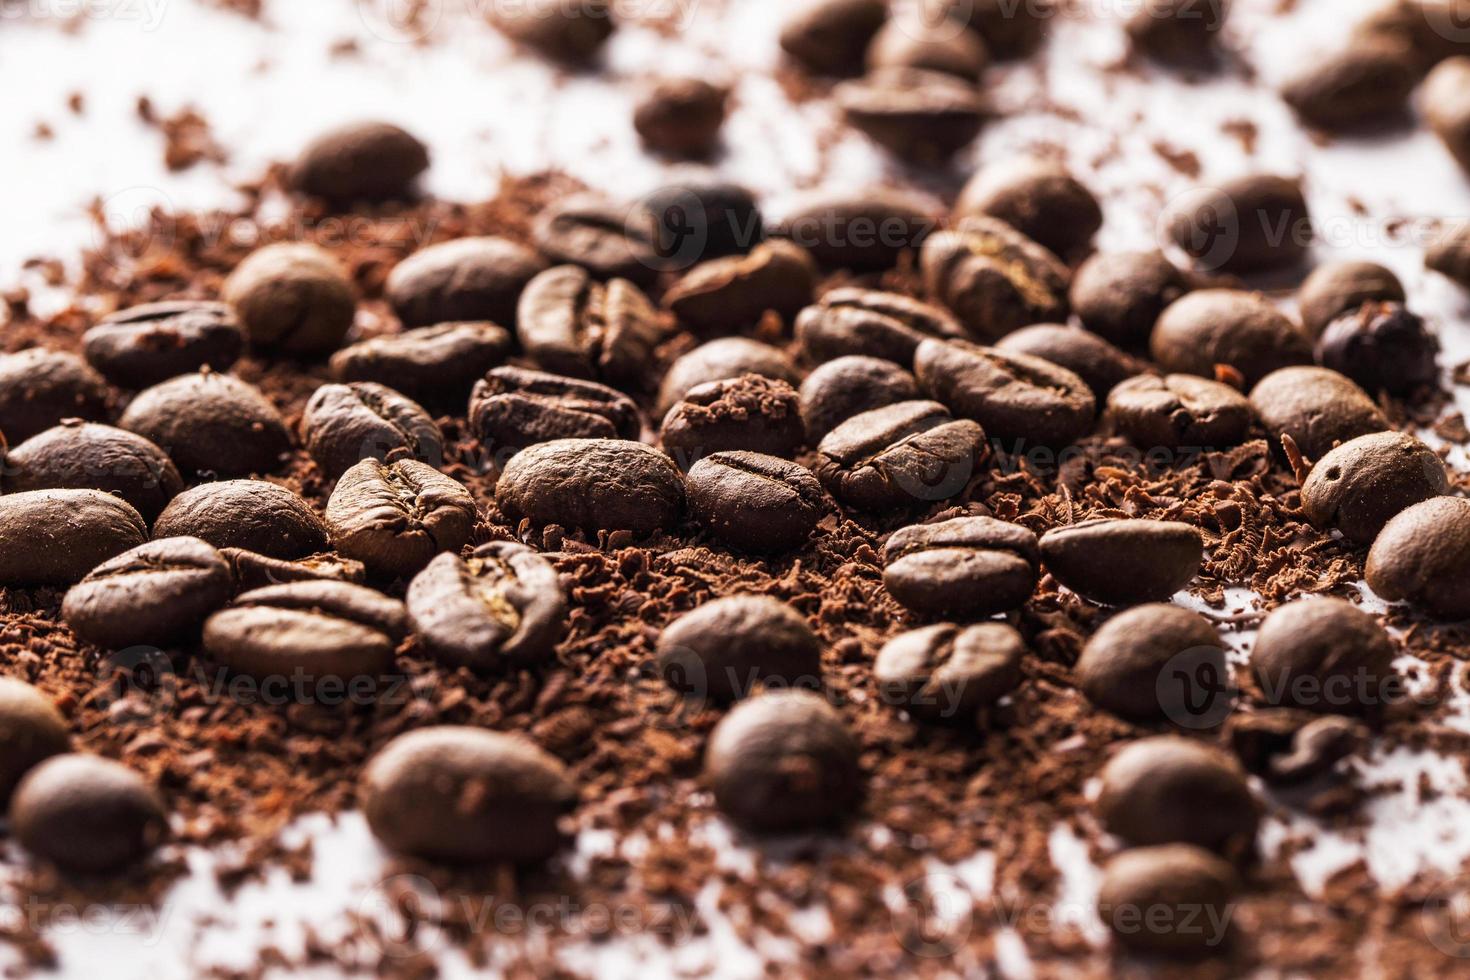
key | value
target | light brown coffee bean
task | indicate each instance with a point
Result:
(462, 279)
(250, 514)
(922, 116)
(730, 294)
(1363, 483)
(157, 594)
(395, 517)
(828, 37)
(363, 161)
(1316, 407)
(681, 117)
(1422, 556)
(918, 40)
(292, 297)
(210, 424)
(593, 485)
(570, 324)
(569, 31)
(1239, 329)
(31, 731)
(343, 424)
(1179, 411)
(947, 673)
(900, 456)
(1361, 85)
(55, 537)
(994, 278)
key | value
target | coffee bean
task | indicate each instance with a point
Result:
(871, 323)
(995, 279)
(365, 161)
(513, 408)
(1426, 31)
(40, 387)
(866, 231)
(1354, 87)
(749, 412)
(1154, 662)
(1447, 106)
(571, 324)
(1341, 287)
(1449, 253)
(501, 607)
(343, 424)
(917, 41)
(848, 386)
(753, 502)
(87, 456)
(725, 648)
(593, 485)
(1178, 411)
(462, 279)
(973, 567)
(1085, 354)
(144, 345)
(252, 570)
(316, 630)
(1123, 562)
(921, 116)
(1357, 487)
(395, 517)
(828, 37)
(54, 537)
(731, 294)
(947, 672)
(1119, 295)
(701, 219)
(1256, 223)
(1010, 30)
(87, 815)
(569, 31)
(292, 297)
(1041, 200)
(1287, 747)
(157, 594)
(1168, 789)
(452, 793)
(1174, 899)
(1381, 346)
(610, 241)
(1178, 32)
(31, 731)
(1316, 407)
(681, 117)
(784, 761)
(899, 456)
(1324, 654)
(249, 514)
(727, 357)
(210, 424)
(1422, 556)
(435, 366)
(1226, 326)
(1020, 400)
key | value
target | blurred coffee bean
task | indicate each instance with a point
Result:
(87, 456)
(343, 424)
(40, 387)
(1341, 287)
(435, 366)
(1119, 295)
(731, 294)
(946, 673)
(749, 412)
(916, 41)
(1318, 408)
(395, 517)
(871, 323)
(1286, 746)
(1256, 223)
(364, 161)
(921, 116)
(1353, 87)
(681, 117)
(571, 324)
(967, 567)
(609, 240)
(1381, 346)
(829, 37)
(1041, 200)
(86, 814)
(1447, 106)
(144, 345)
(1009, 29)
(1327, 655)
(593, 485)
(1178, 411)
(722, 650)
(727, 357)
(848, 386)
(462, 279)
(569, 31)
(210, 424)
(157, 594)
(1123, 562)
(699, 219)
(995, 279)
(1449, 253)
(900, 456)
(1226, 326)
(513, 408)
(252, 570)
(1422, 556)
(1426, 31)
(1357, 487)
(1168, 789)
(55, 537)
(1174, 900)
(1182, 33)
(1085, 354)
(249, 514)
(31, 731)
(1155, 662)
(864, 231)
(294, 298)
(753, 502)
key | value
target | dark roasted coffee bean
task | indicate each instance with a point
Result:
(727, 357)
(31, 731)
(1119, 295)
(210, 424)
(569, 31)
(462, 279)
(143, 345)
(1123, 562)
(1447, 106)
(292, 297)
(1021, 401)
(784, 761)
(1449, 253)
(1009, 29)
(995, 279)
(848, 386)
(1174, 899)
(513, 408)
(40, 387)
(365, 161)
(344, 424)
(451, 793)
(501, 607)
(1179, 32)
(593, 485)
(87, 456)
(681, 117)
(1152, 662)
(1085, 354)
(1168, 789)
(1316, 407)
(1178, 411)
(1291, 745)
(1251, 224)
(1357, 86)
(1357, 487)
(828, 37)
(87, 814)
(967, 567)
(571, 324)
(435, 366)
(1423, 556)
(749, 412)
(311, 630)
(54, 537)
(724, 649)
(157, 594)
(249, 514)
(1426, 31)
(871, 323)
(947, 672)
(1227, 326)
(730, 294)
(899, 456)
(1041, 200)
(918, 41)
(1381, 346)
(864, 231)
(1324, 654)
(1341, 287)
(609, 240)
(696, 220)
(921, 116)
(252, 570)
(395, 517)
(754, 502)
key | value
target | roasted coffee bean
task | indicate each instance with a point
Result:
(1226, 326)
(54, 537)
(1123, 562)
(866, 231)
(696, 220)
(1426, 31)
(452, 793)
(86, 814)
(395, 517)
(365, 161)
(571, 324)
(1085, 354)
(1447, 106)
(157, 594)
(1153, 662)
(1119, 295)
(1316, 407)
(1174, 899)
(754, 502)
(749, 412)
(727, 357)
(569, 31)
(1290, 745)
(462, 279)
(144, 345)
(40, 387)
(967, 567)
(1449, 253)
(1361, 84)
(724, 649)
(344, 424)
(872, 323)
(31, 731)
(784, 761)
(1178, 32)
(920, 41)
(829, 37)
(610, 241)
(947, 672)
(435, 366)
(1423, 556)
(995, 279)
(922, 116)
(1168, 789)
(1360, 485)
(1178, 411)
(1381, 346)
(210, 424)
(1256, 223)
(1324, 654)
(593, 485)
(87, 456)
(293, 297)
(848, 386)
(501, 607)
(730, 294)
(1041, 200)
(513, 408)
(1021, 401)
(252, 570)
(902, 455)
(681, 117)
(1341, 287)
(249, 514)
(316, 630)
